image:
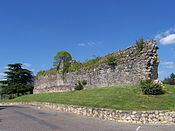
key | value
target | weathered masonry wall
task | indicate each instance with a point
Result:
(131, 68)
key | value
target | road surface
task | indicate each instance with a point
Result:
(26, 118)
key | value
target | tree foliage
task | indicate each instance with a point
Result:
(62, 61)
(170, 80)
(17, 81)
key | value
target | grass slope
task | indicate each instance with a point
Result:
(125, 98)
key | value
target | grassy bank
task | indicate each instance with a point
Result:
(125, 98)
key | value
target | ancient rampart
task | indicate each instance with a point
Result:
(132, 66)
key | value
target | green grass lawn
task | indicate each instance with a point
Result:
(117, 97)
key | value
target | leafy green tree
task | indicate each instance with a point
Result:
(62, 61)
(170, 80)
(17, 81)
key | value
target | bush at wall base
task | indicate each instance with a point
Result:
(151, 87)
(80, 85)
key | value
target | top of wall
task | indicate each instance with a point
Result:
(134, 52)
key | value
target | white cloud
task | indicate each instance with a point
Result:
(27, 65)
(91, 44)
(2, 74)
(170, 39)
(32, 69)
(6, 67)
(168, 64)
(82, 44)
(158, 37)
(167, 37)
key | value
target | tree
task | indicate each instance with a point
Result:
(170, 80)
(62, 61)
(17, 81)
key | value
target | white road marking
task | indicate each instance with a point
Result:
(138, 128)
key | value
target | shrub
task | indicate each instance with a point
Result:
(150, 87)
(92, 63)
(111, 60)
(75, 66)
(80, 85)
(43, 72)
(139, 45)
(84, 82)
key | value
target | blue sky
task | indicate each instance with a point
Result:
(33, 31)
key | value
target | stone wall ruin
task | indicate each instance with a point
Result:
(131, 68)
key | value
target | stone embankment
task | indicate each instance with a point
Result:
(142, 117)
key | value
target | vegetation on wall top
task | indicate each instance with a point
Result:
(110, 59)
(139, 45)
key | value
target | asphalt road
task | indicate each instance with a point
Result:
(25, 118)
